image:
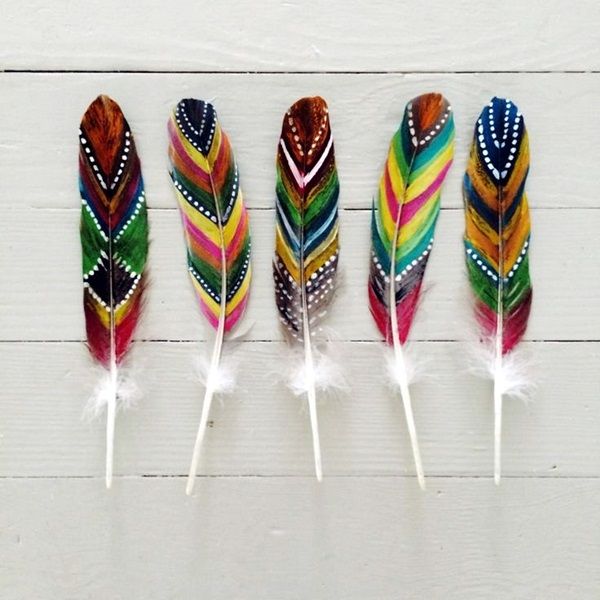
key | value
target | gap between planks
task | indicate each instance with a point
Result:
(272, 341)
(324, 72)
(295, 477)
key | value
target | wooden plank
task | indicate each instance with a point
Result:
(40, 298)
(292, 539)
(263, 430)
(365, 111)
(302, 36)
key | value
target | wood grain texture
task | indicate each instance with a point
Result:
(365, 111)
(313, 35)
(263, 429)
(293, 539)
(258, 527)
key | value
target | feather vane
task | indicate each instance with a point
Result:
(403, 223)
(216, 229)
(114, 242)
(307, 247)
(497, 236)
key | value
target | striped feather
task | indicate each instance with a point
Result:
(404, 216)
(215, 220)
(306, 260)
(406, 211)
(114, 239)
(497, 235)
(497, 223)
(215, 224)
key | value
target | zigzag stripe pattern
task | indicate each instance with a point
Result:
(114, 230)
(215, 220)
(305, 265)
(406, 210)
(497, 222)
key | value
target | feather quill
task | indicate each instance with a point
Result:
(114, 242)
(402, 229)
(306, 254)
(216, 229)
(496, 240)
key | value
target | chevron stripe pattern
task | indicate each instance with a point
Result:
(497, 222)
(114, 230)
(305, 265)
(215, 220)
(406, 209)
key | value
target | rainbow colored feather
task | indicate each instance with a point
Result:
(114, 242)
(305, 265)
(216, 229)
(497, 238)
(403, 224)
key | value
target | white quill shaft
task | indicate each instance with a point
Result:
(214, 363)
(498, 390)
(312, 397)
(309, 365)
(111, 411)
(111, 408)
(208, 396)
(401, 372)
(499, 346)
(410, 421)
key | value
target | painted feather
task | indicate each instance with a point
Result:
(114, 242)
(306, 259)
(404, 216)
(215, 224)
(497, 244)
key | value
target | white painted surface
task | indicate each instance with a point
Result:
(264, 431)
(259, 528)
(293, 539)
(293, 35)
(365, 110)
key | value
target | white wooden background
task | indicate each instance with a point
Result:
(259, 526)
